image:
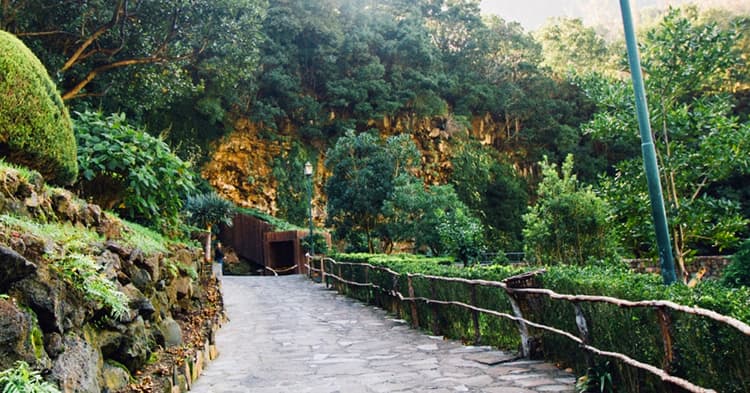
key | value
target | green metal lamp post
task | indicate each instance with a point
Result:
(308, 174)
(649, 152)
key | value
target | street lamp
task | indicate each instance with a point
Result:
(308, 174)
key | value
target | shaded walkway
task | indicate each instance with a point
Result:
(287, 334)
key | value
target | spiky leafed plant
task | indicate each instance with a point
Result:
(207, 210)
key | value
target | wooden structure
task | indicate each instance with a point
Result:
(283, 250)
(255, 240)
(246, 237)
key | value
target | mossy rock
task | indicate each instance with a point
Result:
(35, 128)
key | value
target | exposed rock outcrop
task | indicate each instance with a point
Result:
(48, 320)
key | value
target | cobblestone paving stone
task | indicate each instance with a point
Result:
(288, 334)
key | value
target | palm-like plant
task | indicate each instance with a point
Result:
(207, 210)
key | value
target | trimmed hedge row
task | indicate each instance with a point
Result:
(707, 353)
(35, 128)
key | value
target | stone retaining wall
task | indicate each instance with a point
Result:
(714, 265)
(183, 377)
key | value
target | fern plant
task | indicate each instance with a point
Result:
(22, 379)
(82, 272)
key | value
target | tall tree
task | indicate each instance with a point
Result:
(569, 223)
(362, 174)
(137, 51)
(698, 141)
(569, 46)
(492, 190)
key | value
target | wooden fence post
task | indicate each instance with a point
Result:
(414, 314)
(435, 310)
(367, 280)
(394, 295)
(583, 332)
(665, 323)
(340, 283)
(523, 330)
(323, 277)
(475, 313)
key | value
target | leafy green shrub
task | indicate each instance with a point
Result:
(35, 129)
(125, 169)
(462, 236)
(569, 223)
(22, 379)
(737, 274)
(82, 272)
(710, 354)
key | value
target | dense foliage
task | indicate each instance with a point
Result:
(699, 141)
(131, 172)
(737, 274)
(494, 192)
(373, 195)
(569, 222)
(35, 129)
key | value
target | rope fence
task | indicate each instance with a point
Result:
(516, 288)
(284, 270)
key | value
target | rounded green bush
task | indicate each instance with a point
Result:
(35, 128)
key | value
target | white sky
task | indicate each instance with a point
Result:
(533, 14)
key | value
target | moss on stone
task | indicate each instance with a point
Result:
(36, 337)
(35, 128)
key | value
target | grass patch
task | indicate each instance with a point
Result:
(277, 223)
(24, 173)
(148, 240)
(72, 238)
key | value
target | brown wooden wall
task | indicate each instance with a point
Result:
(246, 237)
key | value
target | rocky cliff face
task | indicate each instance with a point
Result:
(241, 170)
(49, 316)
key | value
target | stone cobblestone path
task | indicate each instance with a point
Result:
(288, 334)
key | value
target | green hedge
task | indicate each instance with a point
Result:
(35, 128)
(277, 223)
(450, 321)
(709, 354)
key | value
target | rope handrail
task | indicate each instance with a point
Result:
(694, 310)
(657, 304)
(277, 271)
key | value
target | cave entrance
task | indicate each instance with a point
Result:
(282, 255)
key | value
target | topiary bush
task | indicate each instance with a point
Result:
(35, 129)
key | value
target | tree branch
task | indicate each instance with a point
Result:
(42, 33)
(93, 37)
(73, 92)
